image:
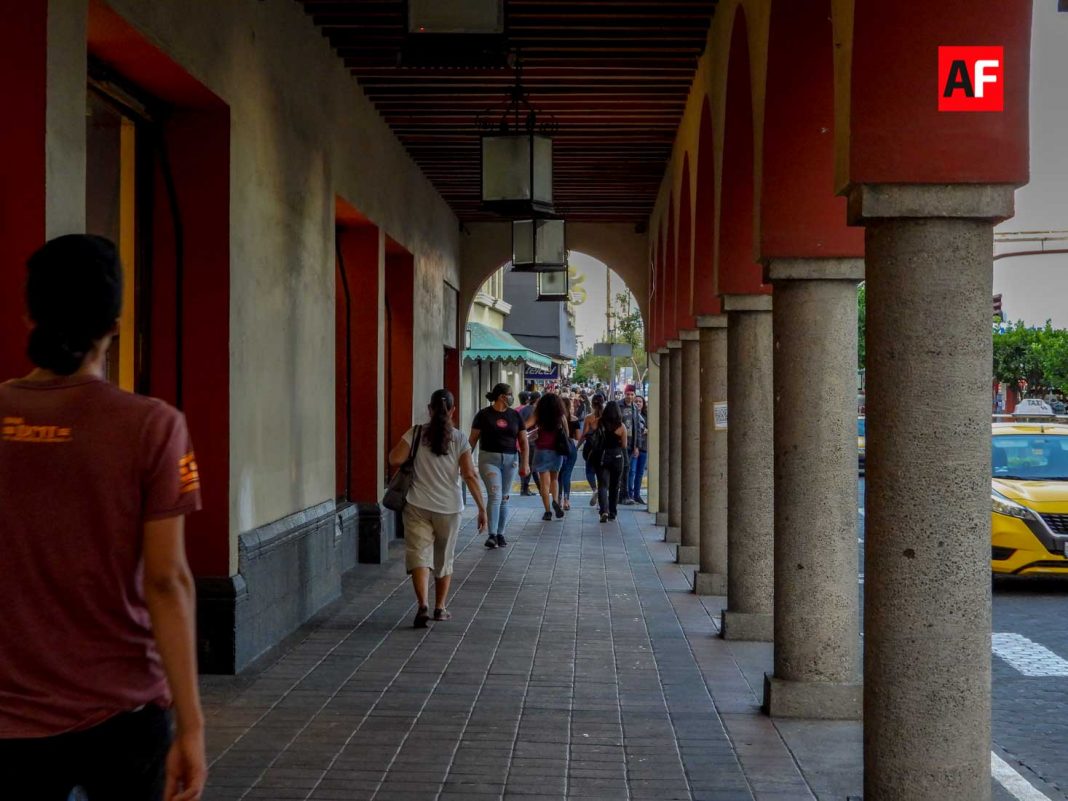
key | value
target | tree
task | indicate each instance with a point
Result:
(630, 329)
(1018, 356)
(590, 368)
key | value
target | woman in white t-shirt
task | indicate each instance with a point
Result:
(432, 513)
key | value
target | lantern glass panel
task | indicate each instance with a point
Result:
(506, 172)
(553, 286)
(549, 243)
(542, 147)
(523, 242)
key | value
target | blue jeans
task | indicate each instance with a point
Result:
(567, 469)
(591, 477)
(637, 473)
(497, 471)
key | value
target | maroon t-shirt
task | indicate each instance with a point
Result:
(83, 465)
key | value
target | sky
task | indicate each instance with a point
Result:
(1035, 288)
(590, 321)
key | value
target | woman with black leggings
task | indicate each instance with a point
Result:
(610, 470)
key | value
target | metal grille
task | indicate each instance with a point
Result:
(1058, 523)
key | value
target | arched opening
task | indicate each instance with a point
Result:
(739, 272)
(705, 296)
(684, 253)
(801, 216)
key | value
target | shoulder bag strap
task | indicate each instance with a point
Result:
(417, 435)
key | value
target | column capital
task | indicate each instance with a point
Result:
(746, 303)
(712, 321)
(674, 344)
(690, 335)
(815, 270)
(867, 202)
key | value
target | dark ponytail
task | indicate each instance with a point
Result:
(438, 432)
(74, 297)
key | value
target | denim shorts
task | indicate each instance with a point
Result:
(546, 461)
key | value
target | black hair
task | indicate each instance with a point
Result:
(611, 419)
(524, 397)
(550, 412)
(497, 391)
(438, 432)
(597, 402)
(74, 297)
(534, 396)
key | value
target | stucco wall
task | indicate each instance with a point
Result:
(301, 133)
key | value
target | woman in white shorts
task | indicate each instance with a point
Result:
(432, 513)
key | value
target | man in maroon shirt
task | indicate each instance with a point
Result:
(97, 600)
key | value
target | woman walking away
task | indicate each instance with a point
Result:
(432, 514)
(610, 468)
(98, 602)
(637, 469)
(550, 419)
(573, 427)
(498, 432)
(589, 425)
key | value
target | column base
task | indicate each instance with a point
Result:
(710, 583)
(747, 626)
(673, 534)
(812, 700)
(688, 555)
(662, 519)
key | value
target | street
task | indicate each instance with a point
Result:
(1030, 677)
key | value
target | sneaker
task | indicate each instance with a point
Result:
(627, 502)
(547, 516)
(640, 501)
(558, 509)
(593, 500)
(604, 517)
(491, 541)
(501, 541)
(611, 517)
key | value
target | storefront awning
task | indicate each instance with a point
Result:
(493, 344)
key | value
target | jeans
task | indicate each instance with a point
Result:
(637, 473)
(608, 476)
(591, 476)
(497, 471)
(119, 759)
(568, 468)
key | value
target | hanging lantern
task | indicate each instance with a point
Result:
(553, 286)
(517, 156)
(539, 245)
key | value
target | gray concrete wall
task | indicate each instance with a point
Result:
(540, 325)
(302, 132)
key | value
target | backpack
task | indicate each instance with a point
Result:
(593, 447)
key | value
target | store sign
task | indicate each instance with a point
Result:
(537, 374)
(971, 79)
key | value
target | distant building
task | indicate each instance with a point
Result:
(544, 326)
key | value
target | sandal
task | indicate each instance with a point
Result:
(442, 614)
(421, 617)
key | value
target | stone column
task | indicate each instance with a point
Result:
(674, 530)
(711, 578)
(690, 414)
(664, 452)
(817, 607)
(652, 405)
(929, 254)
(750, 519)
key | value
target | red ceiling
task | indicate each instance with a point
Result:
(615, 75)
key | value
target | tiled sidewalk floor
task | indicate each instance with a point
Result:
(577, 665)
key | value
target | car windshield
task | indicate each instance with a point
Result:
(1032, 457)
(860, 426)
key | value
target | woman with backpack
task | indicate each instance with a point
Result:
(589, 425)
(434, 503)
(608, 454)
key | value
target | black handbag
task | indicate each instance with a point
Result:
(562, 443)
(396, 496)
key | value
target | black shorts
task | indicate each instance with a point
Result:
(121, 759)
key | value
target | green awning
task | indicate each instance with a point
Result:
(493, 344)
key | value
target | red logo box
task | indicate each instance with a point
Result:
(971, 79)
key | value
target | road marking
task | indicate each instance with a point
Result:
(1011, 780)
(1027, 656)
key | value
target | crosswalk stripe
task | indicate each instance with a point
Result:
(1027, 656)
(1012, 781)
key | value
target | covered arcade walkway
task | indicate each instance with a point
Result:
(578, 664)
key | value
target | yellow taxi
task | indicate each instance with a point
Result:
(1029, 494)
